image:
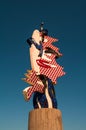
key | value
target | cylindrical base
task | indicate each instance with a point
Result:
(45, 119)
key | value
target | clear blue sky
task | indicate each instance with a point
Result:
(66, 21)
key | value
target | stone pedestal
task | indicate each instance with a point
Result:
(45, 119)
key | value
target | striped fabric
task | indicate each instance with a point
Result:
(49, 40)
(54, 72)
(36, 83)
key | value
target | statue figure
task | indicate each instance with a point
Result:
(45, 70)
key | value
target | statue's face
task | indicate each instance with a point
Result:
(46, 64)
(36, 36)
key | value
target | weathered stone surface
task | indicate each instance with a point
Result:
(45, 119)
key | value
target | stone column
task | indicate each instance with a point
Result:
(45, 119)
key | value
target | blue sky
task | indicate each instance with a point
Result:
(64, 20)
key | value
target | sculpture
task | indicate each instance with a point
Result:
(45, 70)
